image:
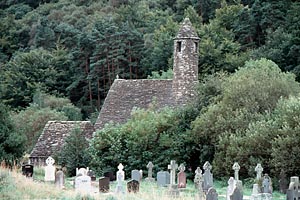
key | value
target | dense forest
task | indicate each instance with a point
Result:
(58, 59)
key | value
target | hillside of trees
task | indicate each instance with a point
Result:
(58, 59)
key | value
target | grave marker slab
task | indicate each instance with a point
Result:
(267, 184)
(236, 195)
(50, 169)
(172, 167)
(259, 171)
(120, 179)
(60, 179)
(230, 187)
(83, 184)
(110, 175)
(136, 175)
(104, 184)
(150, 172)
(163, 178)
(212, 194)
(198, 180)
(133, 186)
(27, 170)
(181, 177)
(293, 192)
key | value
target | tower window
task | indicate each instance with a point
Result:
(178, 46)
(196, 46)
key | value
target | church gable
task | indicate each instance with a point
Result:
(53, 136)
(124, 95)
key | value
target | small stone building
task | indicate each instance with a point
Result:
(124, 95)
(53, 136)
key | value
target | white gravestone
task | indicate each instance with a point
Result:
(120, 179)
(136, 175)
(259, 171)
(83, 184)
(208, 177)
(172, 167)
(60, 179)
(50, 169)
(230, 188)
(236, 167)
(82, 171)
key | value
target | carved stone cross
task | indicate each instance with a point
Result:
(50, 161)
(207, 166)
(259, 171)
(173, 166)
(150, 167)
(181, 167)
(120, 167)
(236, 167)
(198, 180)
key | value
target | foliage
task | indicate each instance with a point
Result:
(12, 142)
(161, 75)
(74, 152)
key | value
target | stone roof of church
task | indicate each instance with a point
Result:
(187, 30)
(54, 134)
(124, 95)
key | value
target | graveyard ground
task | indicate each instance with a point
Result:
(15, 186)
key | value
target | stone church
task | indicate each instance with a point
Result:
(124, 95)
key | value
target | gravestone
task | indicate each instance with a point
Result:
(181, 177)
(255, 190)
(150, 172)
(91, 174)
(141, 173)
(230, 187)
(83, 184)
(236, 195)
(236, 167)
(120, 179)
(259, 171)
(207, 176)
(60, 179)
(293, 192)
(82, 171)
(163, 178)
(110, 175)
(133, 186)
(50, 169)
(198, 180)
(267, 184)
(27, 170)
(172, 167)
(104, 184)
(262, 196)
(212, 194)
(136, 175)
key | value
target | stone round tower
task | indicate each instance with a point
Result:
(185, 66)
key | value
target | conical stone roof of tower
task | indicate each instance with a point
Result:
(187, 30)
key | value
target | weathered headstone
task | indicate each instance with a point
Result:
(110, 175)
(136, 175)
(120, 179)
(212, 194)
(104, 184)
(293, 192)
(267, 184)
(82, 171)
(283, 182)
(236, 195)
(259, 171)
(133, 186)
(198, 180)
(27, 170)
(141, 173)
(50, 169)
(163, 178)
(181, 176)
(150, 172)
(91, 174)
(207, 176)
(83, 184)
(172, 167)
(236, 167)
(230, 187)
(60, 179)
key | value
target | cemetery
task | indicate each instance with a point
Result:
(200, 134)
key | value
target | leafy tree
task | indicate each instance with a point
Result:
(11, 142)
(74, 152)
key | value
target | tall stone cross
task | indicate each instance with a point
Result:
(150, 167)
(207, 176)
(259, 171)
(173, 166)
(121, 173)
(50, 161)
(198, 180)
(236, 167)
